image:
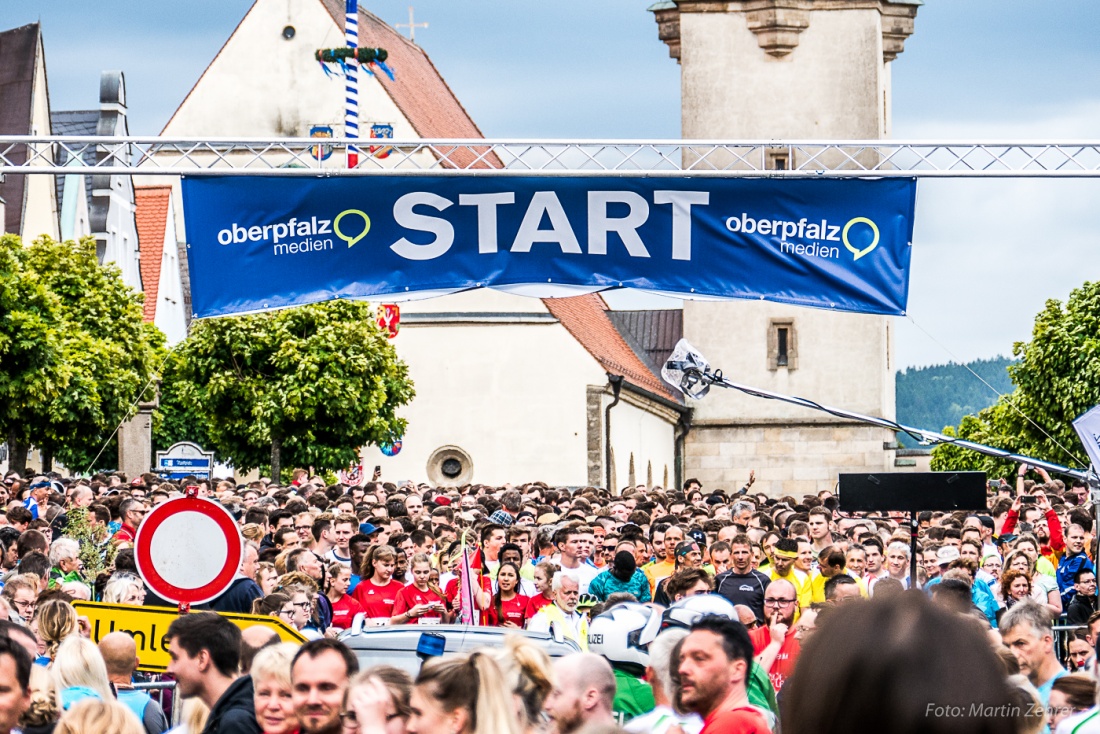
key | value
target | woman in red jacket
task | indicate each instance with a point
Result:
(509, 606)
(420, 602)
(378, 590)
(344, 607)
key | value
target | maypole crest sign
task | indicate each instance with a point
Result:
(261, 243)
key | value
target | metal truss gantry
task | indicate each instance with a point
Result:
(771, 159)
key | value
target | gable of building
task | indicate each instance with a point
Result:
(19, 55)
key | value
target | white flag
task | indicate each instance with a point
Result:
(1088, 428)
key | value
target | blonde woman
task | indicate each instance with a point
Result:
(527, 673)
(43, 711)
(78, 672)
(99, 717)
(272, 693)
(56, 620)
(462, 694)
(124, 588)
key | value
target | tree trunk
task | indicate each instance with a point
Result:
(17, 455)
(276, 460)
(47, 460)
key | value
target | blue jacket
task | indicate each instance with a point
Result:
(1067, 567)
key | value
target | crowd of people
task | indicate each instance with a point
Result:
(687, 610)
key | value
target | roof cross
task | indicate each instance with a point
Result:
(411, 25)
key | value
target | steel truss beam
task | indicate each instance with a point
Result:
(771, 159)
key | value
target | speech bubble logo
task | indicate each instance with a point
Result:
(351, 240)
(858, 253)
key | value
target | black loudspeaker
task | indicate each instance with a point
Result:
(912, 492)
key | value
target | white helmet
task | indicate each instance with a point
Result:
(622, 634)
(691, 609)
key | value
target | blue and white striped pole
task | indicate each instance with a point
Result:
(351, 88)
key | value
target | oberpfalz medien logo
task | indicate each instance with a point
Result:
(296, 236)
(805, 238)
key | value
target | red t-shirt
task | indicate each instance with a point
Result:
(510, 611)
(377, 601)
(534, 604)
(741, 720)
(451, 592)
(410, 596)
(784, 661)
(344, 610)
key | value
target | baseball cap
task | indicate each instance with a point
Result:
(698, 536)
(946, 555)
(367, 528)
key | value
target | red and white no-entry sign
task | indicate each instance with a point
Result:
(188, 550)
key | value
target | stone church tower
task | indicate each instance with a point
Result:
(787, 70)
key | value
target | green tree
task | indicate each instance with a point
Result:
(176, 418)
(108, 352)
(304, 386)
(32, 372)
(1057, 378)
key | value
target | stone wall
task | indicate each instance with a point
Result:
(792, 459)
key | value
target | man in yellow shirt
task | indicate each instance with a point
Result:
(830, 562)
(783, 567)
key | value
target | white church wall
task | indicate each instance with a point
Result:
(511, 396)
(648, 438)
(262, 84)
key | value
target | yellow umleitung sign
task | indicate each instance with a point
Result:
(149, 628)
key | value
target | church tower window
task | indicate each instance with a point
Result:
(782, 345)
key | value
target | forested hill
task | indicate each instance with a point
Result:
(940, 395)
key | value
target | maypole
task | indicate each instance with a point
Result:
(351, 84)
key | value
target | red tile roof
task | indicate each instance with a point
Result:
(418, 89)
(151, 214)
(585, 317)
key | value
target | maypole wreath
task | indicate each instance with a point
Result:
(368, 59)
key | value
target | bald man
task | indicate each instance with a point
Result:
(254, 639)
(775, 645)
(120, 654)
(583, 695)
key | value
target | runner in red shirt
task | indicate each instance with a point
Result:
(714, 665)
(508, 607)
(344, 607)
(420, 602)
(377, 591)
(544, 576)
(776, 646)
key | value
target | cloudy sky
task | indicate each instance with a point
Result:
(987, 253)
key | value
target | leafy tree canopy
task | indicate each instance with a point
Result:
(102, 353)
(306, 386)
(1057, 378)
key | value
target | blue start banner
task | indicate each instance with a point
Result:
(260, 243)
